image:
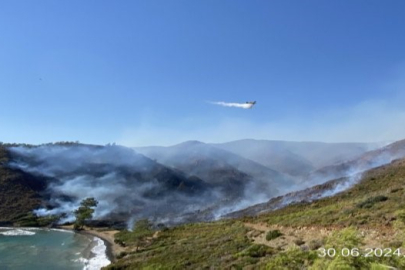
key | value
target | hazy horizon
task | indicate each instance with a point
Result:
(378, 143)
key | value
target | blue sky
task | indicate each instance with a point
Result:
(141, 72)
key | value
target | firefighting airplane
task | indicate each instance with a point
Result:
(250, 104)
(246, 105)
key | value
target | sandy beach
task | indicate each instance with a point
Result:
(106, 234)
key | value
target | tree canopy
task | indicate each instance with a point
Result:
(84, 212)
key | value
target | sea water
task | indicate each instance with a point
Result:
(38, 249)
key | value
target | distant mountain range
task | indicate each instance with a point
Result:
(186, 182)
(280, 165)
(219, 167)
(296, 158)
(334, 179)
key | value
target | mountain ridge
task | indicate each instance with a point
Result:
(287, 156)
(201, 159)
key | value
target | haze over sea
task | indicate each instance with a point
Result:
(37, 249)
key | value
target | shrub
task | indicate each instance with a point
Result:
(257, 251)
(395, 244)
(371, 201)
(315, 244)
(346, 238)
(119, 242)
(299, 242)
(292, 259)
(395, 190)
(122, 254)
(273, 235)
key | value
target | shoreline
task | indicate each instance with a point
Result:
(109, 249)
(106, 235)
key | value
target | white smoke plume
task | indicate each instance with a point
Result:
(329, 181)
(127, 185)
(232, 104)
(339, 182)
(130, 186)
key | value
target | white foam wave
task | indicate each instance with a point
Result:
(17, 232)
(25, 228)
(62, 230)
(100, 256)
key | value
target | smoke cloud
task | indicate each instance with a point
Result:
(127, 185)
(329, 181)
(347, 173)
(130, 186)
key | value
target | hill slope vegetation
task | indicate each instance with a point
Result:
(370, 214)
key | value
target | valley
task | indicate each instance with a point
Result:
(209, 207)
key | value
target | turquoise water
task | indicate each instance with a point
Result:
(38, 249)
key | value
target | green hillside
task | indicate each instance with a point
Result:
(19, 192)
(372, 202)
(368, 215)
